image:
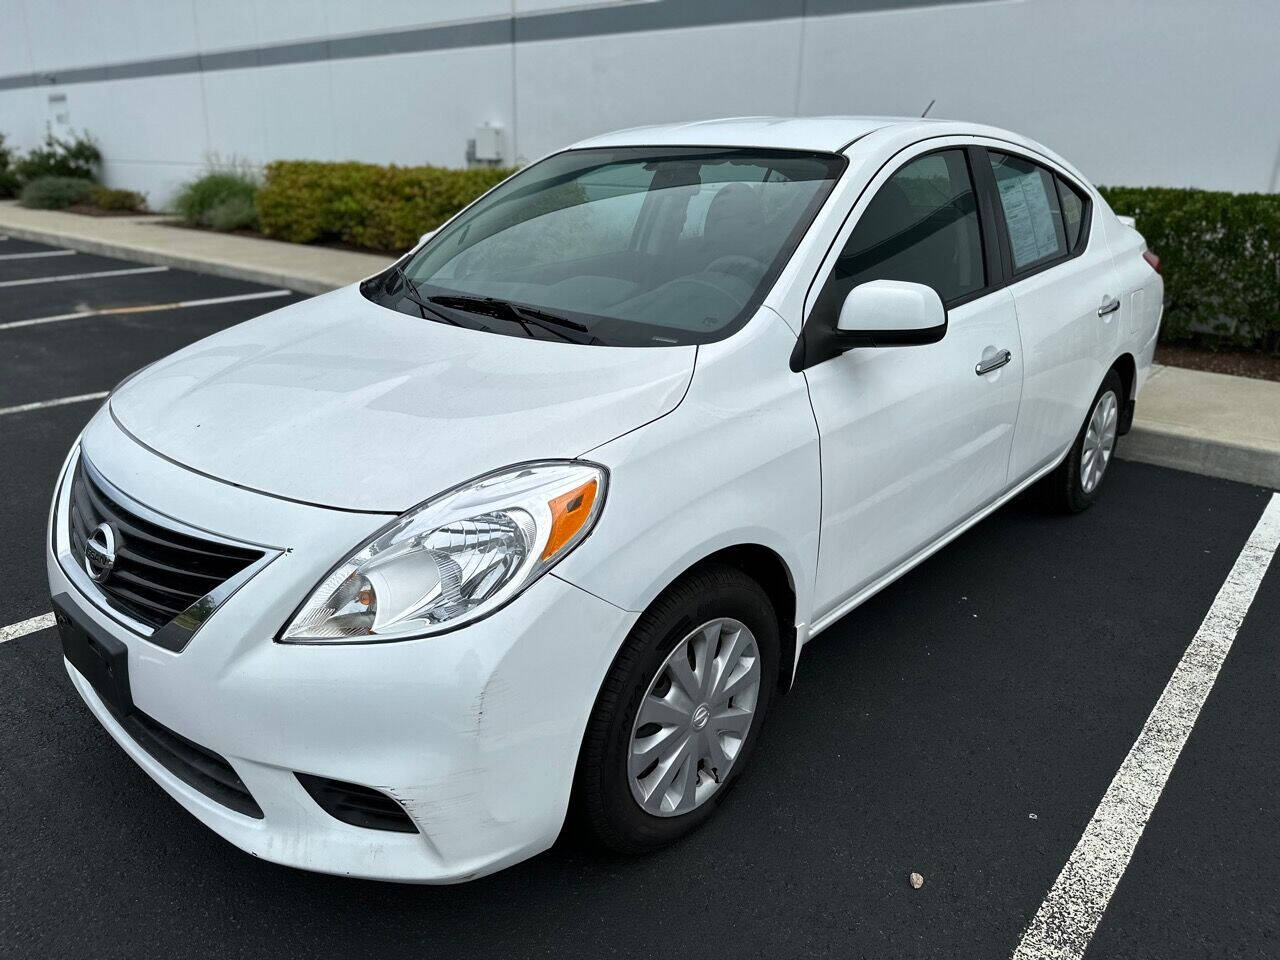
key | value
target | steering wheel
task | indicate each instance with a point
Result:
(738, 265)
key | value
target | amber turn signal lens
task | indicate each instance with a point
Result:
(569, 512)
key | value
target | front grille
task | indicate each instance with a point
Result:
(158, 572)
(357, 805)
(191, 763)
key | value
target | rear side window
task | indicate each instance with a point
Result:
(1032, 211)
(1072, 211)
(922, 226)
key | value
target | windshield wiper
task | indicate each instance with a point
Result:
(411, 294)
(516, 313)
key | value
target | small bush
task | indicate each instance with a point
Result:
(233, 213)
(105, 198)
(362, 204)
(78, 157)
(8, 179)
(224, 190)
(1221, 258)
(55, 193)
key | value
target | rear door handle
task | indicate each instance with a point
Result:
(993, 363)
(1108, 306)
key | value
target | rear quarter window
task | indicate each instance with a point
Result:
(1072, 204)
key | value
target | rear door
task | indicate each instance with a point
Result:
(914, 439)
(1067, 295)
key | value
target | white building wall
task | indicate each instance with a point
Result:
(1173, 93)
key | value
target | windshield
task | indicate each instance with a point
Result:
(631, 247)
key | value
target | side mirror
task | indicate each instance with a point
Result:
(891, 313)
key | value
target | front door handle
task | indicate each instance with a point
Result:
(993, 363)
(1108, 306)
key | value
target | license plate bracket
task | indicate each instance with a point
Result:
(99, 657)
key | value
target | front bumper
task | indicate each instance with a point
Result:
(475, 733)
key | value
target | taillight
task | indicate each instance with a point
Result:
(1152, 260)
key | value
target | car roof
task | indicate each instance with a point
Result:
(828, 134)
(831, 134)
(787, 133)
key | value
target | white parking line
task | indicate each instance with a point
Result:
(147, 308)
(1066, 921)
(81, 276)
(23, 627)
(60, 402)
(41, 253)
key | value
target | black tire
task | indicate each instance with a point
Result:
(1062, 489)
(603, 793)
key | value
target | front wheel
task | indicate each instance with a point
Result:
(1074, 486)
(680, 711)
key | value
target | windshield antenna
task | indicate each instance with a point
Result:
(928, 108)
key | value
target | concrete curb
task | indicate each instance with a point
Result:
(1213, 458)
(149, 255)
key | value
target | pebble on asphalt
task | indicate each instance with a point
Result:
(917, 881)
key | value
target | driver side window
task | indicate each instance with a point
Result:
(921, 226)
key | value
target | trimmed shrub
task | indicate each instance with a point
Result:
(363, 204)
(55, 193)
(78, 157)
(197, 200)
(8, 179)
(105, 198)
(1221, 258)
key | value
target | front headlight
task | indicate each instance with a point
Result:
(455, 558)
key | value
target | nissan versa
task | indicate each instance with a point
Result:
(539, 518)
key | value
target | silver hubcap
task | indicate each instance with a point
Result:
(1099, 441)
(694, 718)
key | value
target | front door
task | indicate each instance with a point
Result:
(914, 439)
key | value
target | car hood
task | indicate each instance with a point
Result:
(340, 402)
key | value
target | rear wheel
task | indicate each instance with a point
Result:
(680, 711)
(1075, 485)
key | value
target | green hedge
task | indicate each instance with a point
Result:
(55, 193)
(362, 204)
(1221, 258)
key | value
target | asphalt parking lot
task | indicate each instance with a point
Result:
(964, 724)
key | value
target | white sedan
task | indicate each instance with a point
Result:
(542, 516)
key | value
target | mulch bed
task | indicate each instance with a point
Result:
(1238, 363)
(85, 210)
